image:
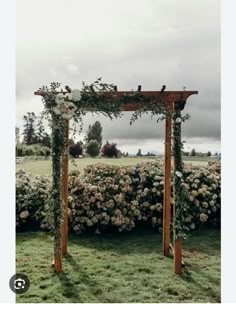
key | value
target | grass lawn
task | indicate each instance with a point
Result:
(45, 167)
(122, 267)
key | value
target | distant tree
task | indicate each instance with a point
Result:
(127, 154)
(208, 153)
(41, 136)
(76, 150)
(110, 150)
(92, 148)
(216, 153)
(17, 135)
(193, 152)
(139, 153)
(29, 136)
(95, 133)
(150, 154)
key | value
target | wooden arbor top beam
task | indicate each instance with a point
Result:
(165, 97)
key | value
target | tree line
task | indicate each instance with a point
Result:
(35, 136)
(34, 133)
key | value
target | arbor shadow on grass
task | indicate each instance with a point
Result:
(187, 277)
(69, 289)
(144, 242)
(84, 278)
(125, 243)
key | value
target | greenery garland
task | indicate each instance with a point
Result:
(101, 98)
(181, 195)
(56, 184)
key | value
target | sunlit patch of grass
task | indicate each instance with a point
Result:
(120, 268)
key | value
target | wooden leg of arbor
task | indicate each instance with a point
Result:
(167, 185)
(64, 188)
(57, 261)
(178, 257)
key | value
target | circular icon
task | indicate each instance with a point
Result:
(19, 283)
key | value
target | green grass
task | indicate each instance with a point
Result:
(45, 167)
(115, 268)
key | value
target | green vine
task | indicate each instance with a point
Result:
(57, 146)
(181, 196)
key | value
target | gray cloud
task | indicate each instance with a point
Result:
(176, 43)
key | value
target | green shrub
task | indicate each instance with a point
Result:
(32, 150)
(93, 148)
(120, 198)
(31, 201)
(124, 197)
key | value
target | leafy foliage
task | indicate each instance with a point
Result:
(76, 150)
(94, 133)
(92, 148)
(32, 150)
(29, 136)
(139, 153)
(110, 150)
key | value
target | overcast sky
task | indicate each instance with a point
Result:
(127, 42)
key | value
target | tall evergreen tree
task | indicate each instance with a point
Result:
(42, 137)
(193, 153)
(17, 134)
(29, 136)
(139, 153)
(94, 133)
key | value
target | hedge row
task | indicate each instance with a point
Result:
(23, 150)
(120, 198)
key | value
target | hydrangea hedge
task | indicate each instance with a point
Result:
(119, 198)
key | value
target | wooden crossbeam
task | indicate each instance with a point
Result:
(162, 97)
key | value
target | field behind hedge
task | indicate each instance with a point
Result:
(45, 167)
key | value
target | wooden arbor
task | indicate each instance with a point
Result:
(174, 100)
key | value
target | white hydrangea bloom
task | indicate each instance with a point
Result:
(65, 108)
(76, 95)
(178, 120)
(59, 98)
(24, 214)
(178, 174)
(67, 116)
(69, 96)
(56, 110)
(192, 226)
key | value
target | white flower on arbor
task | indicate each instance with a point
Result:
(65, 109)
(68, 96)
(178, 120)
(178, 174)
(59, 98)
(67, 116)
(56, 110)
(75, 95)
